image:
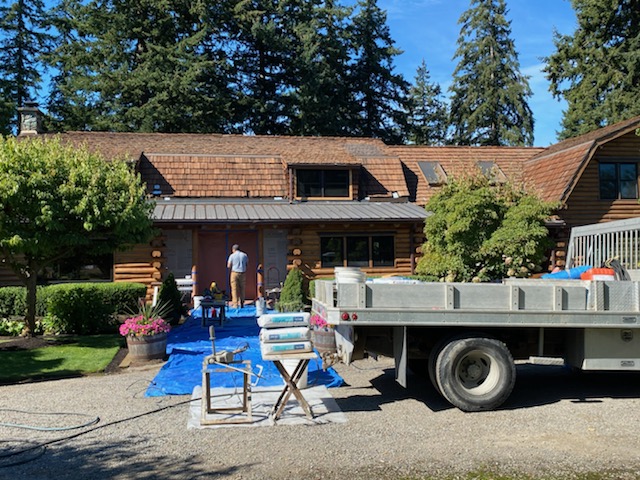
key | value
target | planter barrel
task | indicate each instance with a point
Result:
(324, 340)
(147, 347)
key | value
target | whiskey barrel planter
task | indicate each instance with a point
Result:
(147, 347)
(324, 339)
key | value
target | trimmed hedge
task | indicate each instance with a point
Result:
(78, 308)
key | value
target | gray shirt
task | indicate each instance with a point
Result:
(238, 261)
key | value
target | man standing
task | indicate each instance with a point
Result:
(237, 262)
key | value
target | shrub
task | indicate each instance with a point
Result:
(88, 308)
(293, 296)
(170, 295)
(11, 327)
(479, 231)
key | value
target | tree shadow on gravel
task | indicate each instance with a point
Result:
(535, 385)
(130, 459)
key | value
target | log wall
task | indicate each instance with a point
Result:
(304, 247)
(141, 264)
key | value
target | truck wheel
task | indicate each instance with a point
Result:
(433, 359)
(475, 373)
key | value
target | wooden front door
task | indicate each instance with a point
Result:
(214, 247)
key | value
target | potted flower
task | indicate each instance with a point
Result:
(146, 332)
(323, 335)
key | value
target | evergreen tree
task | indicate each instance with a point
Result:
(379, 95)
(489, 94)
(597, 69)
(23, 38)
(427, 110)
(263, 59)
(139, 66)
(321, 98)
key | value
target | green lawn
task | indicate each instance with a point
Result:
(75, 356)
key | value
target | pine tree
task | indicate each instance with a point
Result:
(23, 38)
(427, 110)
(489, 94)
(380, 96)
(597, 69)
(139, 66)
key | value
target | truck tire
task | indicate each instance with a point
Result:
(475, 373)
(433, 359)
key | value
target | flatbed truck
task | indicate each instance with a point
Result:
(468, 336)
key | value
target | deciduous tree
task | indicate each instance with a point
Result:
(57, 201)
(480, 231)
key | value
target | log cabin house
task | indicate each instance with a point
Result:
(322, 202)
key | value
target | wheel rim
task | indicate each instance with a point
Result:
(477, 372)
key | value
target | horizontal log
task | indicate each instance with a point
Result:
(133, 279)
(135, 270)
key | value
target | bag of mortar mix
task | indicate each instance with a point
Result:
(277, 320)
(285, 348)
(290, 334)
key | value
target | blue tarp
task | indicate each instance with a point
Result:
(189, 343)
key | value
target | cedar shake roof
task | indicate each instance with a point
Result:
(383, 176)
(555, 171)
(457, 161)
(217, 165)
(235, 176)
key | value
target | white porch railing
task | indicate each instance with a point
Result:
(594, 244)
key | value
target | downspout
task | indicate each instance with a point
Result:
(412, 249)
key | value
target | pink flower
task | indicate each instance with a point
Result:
(139, 325)
(318, 321)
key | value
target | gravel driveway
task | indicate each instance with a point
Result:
(555, 425)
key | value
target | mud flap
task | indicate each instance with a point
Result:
(400, 354)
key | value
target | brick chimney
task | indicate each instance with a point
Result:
(30, 118)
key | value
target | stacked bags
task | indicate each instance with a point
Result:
(285, 333)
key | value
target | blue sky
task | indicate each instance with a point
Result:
(429, 29)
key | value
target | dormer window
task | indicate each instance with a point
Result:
(323, 183)
(433, 173)
(492, 171)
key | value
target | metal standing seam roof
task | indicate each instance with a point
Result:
(214, 210)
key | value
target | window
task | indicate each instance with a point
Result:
(618, 181)
(433, 172)
(80, 268)
(322, 183)
(358, 251)
(492, 171)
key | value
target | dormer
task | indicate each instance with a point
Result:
(319, 182)
(491, 171)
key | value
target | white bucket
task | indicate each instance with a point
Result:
(261, 303)
(196, 302)
(349, 275)
(290, 366)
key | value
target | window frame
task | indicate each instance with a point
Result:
(620, 185)
(346, 255)
(323, 184)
